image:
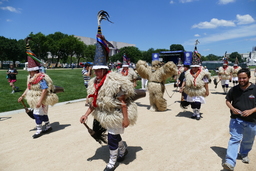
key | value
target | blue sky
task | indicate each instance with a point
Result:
(219, 25)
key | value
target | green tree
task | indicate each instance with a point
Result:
(80, 50)
(68, 47)
(3, 47)
(90, 52)
(55, 46)
(233, 56)
(147, 55)
(176, 47)
(212, 57)
(39, 46)
(133, 53)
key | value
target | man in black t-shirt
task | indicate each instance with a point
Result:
(241, 99)
(11, 76)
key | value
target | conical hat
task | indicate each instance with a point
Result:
(125, 61)
(102, 45)
(33, 63)
(225, 59)
(196, 58)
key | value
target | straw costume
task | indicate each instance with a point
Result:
(235, 70)
(156, 75)
(110, 100)
(128, 72)
(39, 91)
(225, 74)
(195, 84)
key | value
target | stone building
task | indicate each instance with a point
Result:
(117, 45)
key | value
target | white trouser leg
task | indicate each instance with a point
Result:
(112, 158)
(38, 129)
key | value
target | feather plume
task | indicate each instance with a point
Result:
(29, 52)
(103, 15)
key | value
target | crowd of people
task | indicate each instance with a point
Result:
(110, 97)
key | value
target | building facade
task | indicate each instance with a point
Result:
(113, 51)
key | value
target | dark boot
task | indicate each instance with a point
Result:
(39, 131)
(122, 151)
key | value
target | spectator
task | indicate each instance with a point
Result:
(241, 102)
(11, 76)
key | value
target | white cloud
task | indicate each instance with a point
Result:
(11, 9)
(197, 35)
(241, 32)
(8, 20)
(214, 23)
(171, 2)
(224, 2)
(251, 39)
(185, 1)
(244, 19)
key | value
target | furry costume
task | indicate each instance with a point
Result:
(235, 71)
(225, 73)
(195, 87)
(109, 112)
(34, 93)
(156, 75)
(131, 75)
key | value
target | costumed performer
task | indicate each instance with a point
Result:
(156, 75)
(235, 70)
(195, 85)
(110, 100)
(128, 73)
(225, 74)
(39, 93)
(180, 70)
(183, 101)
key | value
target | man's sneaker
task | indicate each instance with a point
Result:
(227, 166)
(245, 159)
(13, 91)
(121, 158)
(198, 117)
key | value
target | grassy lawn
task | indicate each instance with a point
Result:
(70, 80)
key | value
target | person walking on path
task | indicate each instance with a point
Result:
(129, 73)
(195, 85)
(240, 99)
(235, 70)
(39, 93)
(11, 76)
(110, 100)
(225, 74)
